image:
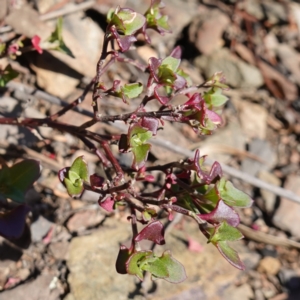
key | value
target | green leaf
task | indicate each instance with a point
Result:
(7, 75)
(140, 154)
(79, 167)
(132, 90)
(139, 135)
(225, 232)
(77, 174)
(231, 195)
(230, 255)
(214, 97)
(166, 267)
(148, 214)
(126, 20)
(56, 39)
(156, 266)
(15, 181)
(74, 188)
(133, 264)
(166, 75)
(171, 63)
(2, 48)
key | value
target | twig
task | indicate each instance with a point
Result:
(265, 238)
(67, 10)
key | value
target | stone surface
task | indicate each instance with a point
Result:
(287, 215)
(263, 151)
(238, 73)
(83, 220)
(33, 290)
(206, 30)
(93, 276)
(232, 136)
(253, 118)
(268, 197)
(269, 265)
(40, 228)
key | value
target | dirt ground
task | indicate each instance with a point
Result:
(69, 247)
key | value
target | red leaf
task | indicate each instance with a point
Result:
(153, 232)
(222, 212)
(36, 44)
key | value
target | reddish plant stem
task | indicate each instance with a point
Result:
(125, 117)
(99, 72)
(120, 174)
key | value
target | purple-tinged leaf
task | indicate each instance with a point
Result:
(12, 223)
(154, 64)
(124, 42)
(134, 262)
(153, 232)
(96, 180)
(150, 123)
(215, 171)
(107, 203)
(222, 212)
(124, 254)
(176, 52)
(230, 255)
(62, 174)
(158, 95)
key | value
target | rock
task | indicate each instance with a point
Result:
(242, 292)
(59, 250)
(93, 276)
(33, 290)
(44, 5)
(83, 220)
(206, 30)
(232, 136)
(253, 118)
(238, 73)
(39, 228)
(276, 12)
(268, 197)
(254, 8)
(91, 264)
(264, 151)
(287, 215)
(269, 265)
(54, 76)
(290, 278)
